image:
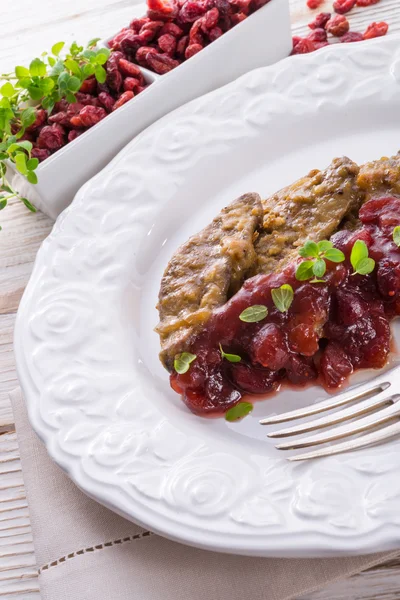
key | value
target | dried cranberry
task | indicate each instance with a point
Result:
(73, 134)
(129, 69)
(191, 11)
(40, 119)
(61, 118)
(40, 153)
(149, 31)
(181, 46)
(300, 369)
(107, 101)
(214, 34)
(74, 108)
(161, 63)
(338, 25)
(238, 18)
(161, 10)
(375, 30)
(131, 84)
(210, 19)
(343, 6)
(125, 97)
(351, 36)
(167, 43)
(128, 44)
(89, 86)
(195, 34)
(335, 365)
(192, 49)
(115, 43)
(86, 99)
(318, 35)
(313, 4)
(61, 105)
(51, 137)
(171, 29)
(137, 24)
(320, 21)
(224, 8)
(143, 53)
(139, 89)
(304, 46)
(88, 116)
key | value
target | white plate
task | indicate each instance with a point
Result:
(87, 354)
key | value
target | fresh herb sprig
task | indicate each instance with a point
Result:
(283, 297)
(360, 261)
(183, 361)
(314, 268)
(233, 358)
(239, 411)
(396, 235)
(47, 80)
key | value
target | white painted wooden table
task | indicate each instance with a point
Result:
(27, 28)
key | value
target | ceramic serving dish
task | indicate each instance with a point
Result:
(87, 355)
(260, 40)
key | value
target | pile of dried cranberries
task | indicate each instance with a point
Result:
(172, 33)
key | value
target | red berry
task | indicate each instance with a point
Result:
(167, 43)
(343, 6)
(88, 86)
(160, 63)
(335, 365)
(88, 116)
(192, 49)
(107, 101)
(123, 99)
(320, 21)
(40, 153)
(129, 69)
(131, 84)
(304, 46)
(51, 137)
(313, 4)
(73, 134)
(318, 35)
(214, 34)
(351, 36)
(338, 25)
(376, 30)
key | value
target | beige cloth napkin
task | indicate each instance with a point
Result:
(86, 552)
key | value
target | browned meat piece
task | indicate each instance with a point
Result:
(311, 208)
(380, 177)
(204, 272)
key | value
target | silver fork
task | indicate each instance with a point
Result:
(378, 397)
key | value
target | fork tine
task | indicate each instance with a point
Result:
(371, 438)
(369, 422)
(381, 399)
(356, 393)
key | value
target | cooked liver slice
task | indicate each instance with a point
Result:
(380, 177)
(311, 208)
(205, 272)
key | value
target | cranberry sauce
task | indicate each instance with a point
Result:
(330, 329)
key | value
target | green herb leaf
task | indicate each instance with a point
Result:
(334, 255)
(93, 42)
(102, 55)
(22, 72)
(324, 245)
(57, 69)
(32, 164)
(319, 267)
(25, 145)
(234, 358)
(35, 92)
(88, 70)
(56, 49)
(100, 74)
(358, 252)
(29, 205)
(32, 177)
(37, 68)
(304, 270)
(52, 61)
(70, 97)
(396, 235)
(239, 411)
(365, 266)
(182, 362)
(310, 249)
(254, 314)
(7, 90)
(74, 83)
(20, 161)
(73, 66)
(3, 203)
(28, 116)
(316, 280)
(283, 297)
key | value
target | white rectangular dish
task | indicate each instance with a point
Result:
(261, 40)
